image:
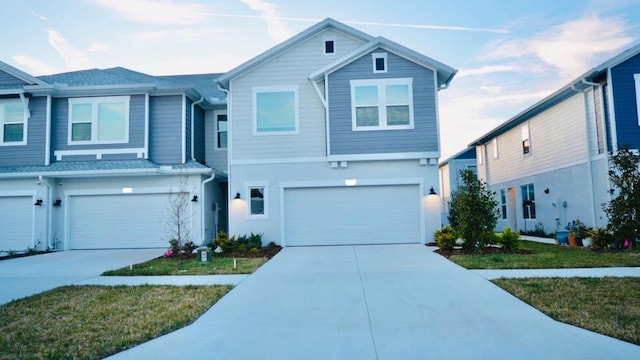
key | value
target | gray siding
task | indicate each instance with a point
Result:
(165, 124)
(8, 79)
(188, 128)
(424, 136)
(31, 154)
(624, 99)
(60, 125)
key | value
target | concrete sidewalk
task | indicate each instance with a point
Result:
(581, 272)
(374, 302)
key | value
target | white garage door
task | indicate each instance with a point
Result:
(16, 222)
(118, 221)
(352, 215)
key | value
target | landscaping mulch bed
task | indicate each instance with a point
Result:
(487, 250)
(23, 254)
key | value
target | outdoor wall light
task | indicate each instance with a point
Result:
(431, 191)
(546, 191)
(237, 196)
(351, 182)
(195, 198)
(58, 202)
(38, 202)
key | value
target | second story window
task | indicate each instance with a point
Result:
(13, 122)
(100, 120)
(221, 131)
(382, 104)
(275, 110)
(526, 142)
(379, 62)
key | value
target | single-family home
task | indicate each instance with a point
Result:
(333, 139)
(90, 159)
(450, 180)
(549, 164)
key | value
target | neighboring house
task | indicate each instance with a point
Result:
(450, 177)
(549, 164)
(88, 159)
(333, 139)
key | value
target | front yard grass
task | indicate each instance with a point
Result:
(91, 322)
(548, 256)
(193, 266)
(609, 306)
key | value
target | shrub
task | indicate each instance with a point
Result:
(225, 243)
(600, 238)
(510, 240)
(181, 250)
(446, 238)
(255, 241)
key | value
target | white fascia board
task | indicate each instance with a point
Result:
(361, 182)
(386, 156)
(106, 173)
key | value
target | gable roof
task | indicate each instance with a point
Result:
(19, 74)
(327, 23)
(444, 72)
(467, 154)
(578, 84)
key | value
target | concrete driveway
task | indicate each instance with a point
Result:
(30, 275)
(374, 302)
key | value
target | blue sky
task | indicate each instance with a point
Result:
(509, 53)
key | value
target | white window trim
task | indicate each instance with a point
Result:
(382, 115)
(25, 122)
(494, 143)
(216, 130)
(383, 56)
(526, 135)
(94, 101)
(480, 154)
(265, 89)
(636, 77)
(248, 185)
(324, 46)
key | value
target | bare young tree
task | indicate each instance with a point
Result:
(178, 218)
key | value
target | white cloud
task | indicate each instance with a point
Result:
(157, 12)
(570, 48)
(490, 69)
(34, 66)
(74, 58)
(101, 48)
(174, 34)
(275, 23)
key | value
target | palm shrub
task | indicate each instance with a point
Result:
(476, 211)
(445, 237)
(510, 240)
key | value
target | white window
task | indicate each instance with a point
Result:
(256, 195)
(221, 131)
(636, 77)
(526, 142)
(385, 104)
(379, 62)
(480, 154)
(13, 122)
(275, 110)
(528, 201)
(99, 120)
(329, 45)
(494, 143)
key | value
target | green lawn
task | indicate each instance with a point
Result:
(169, 266)
(609, 306)
(547, 256)
(91, 322)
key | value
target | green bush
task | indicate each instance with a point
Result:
(254, 241)
(600, 238)
(225, 243)
(445, 237)
(509, 239)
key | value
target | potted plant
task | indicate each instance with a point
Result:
(572, 238)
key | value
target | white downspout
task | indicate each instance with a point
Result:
(202, 193)
(589, 165)
(193, 107)
(49, 210)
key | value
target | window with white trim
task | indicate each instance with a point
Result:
(329, 45)
(221, 131)
(99, 120)
(275, 110)
(13, 122)
(382, 104)
(526, 141)
(528, 201)
(379, 62)
(636, 78)
(257, 198)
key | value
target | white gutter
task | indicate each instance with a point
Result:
(49, 210)
(203, 202)
(193, 106)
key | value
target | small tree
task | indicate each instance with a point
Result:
(178, 218)
(475, 211)
(624, 208)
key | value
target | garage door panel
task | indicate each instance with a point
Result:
(16, 222)
(118, 221)
(352, 215)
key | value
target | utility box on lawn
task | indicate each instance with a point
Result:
(204, 254)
